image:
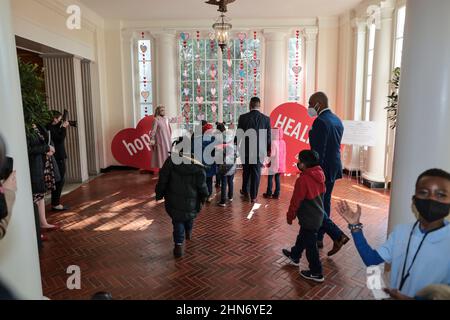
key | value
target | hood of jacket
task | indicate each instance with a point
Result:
(315, 173)
(189, 166)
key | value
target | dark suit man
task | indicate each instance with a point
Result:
(325, 138)
(253, 154)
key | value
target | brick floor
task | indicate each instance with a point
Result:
(122, 241)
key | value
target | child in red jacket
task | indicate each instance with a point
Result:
(307, 205)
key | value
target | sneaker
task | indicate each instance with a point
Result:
(320, 244)
(267, 196)
(314, 277)
(208, 200)
(338, 245)
(222, 204)
(231, 200)
(287, 254)
(178, 251)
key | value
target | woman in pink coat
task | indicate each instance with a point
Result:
(277, 163)
(161, 138)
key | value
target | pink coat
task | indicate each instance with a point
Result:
(162, 135)
(278, 153)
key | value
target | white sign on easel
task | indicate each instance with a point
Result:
(359, 133)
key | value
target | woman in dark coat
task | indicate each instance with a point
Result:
(42, 171)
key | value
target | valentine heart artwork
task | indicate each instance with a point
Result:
(184, 36)
(295, 123)
(145, 95)
(144, 48)
(213, 91)
(296, 69)
(242, 36)
(131, 147)
(229, 63)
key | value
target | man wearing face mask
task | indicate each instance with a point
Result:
(325, 138)
(419, 253)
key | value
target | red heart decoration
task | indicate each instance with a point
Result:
(295, 122)
(131, 147)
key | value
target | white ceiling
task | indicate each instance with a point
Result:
(138, 10)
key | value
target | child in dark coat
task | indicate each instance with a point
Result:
(183, 186)
(307, 206)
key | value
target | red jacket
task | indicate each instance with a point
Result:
(306, 202)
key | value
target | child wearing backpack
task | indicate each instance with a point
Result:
(226, 155)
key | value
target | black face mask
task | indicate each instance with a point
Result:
(431, 210)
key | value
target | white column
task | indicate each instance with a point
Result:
(131, 115)
(359, 28)
(327, 59)
(424, 112)
(19, 259)
(166, 72)
(310, 35)
(275, 87)
(375, 167)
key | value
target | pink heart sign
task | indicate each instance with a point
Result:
(213, 73)
(229, 63)
(213, 91)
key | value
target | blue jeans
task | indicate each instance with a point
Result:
(307, 240)
(277, 184)
(224, 181)
(209, 184)
(180, 228)
(328, 226)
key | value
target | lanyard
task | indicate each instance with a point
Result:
(406, 276)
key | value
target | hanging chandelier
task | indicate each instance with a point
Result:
(222, 31)
(222, 28)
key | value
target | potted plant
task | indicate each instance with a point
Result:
(392, 108)
(34, 102)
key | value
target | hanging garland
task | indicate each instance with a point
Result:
(230, 83)
(145, 93)
(296, 69)
(213, 73)
(242, 36)
(255, 65)
(200, 99)
(186, 91)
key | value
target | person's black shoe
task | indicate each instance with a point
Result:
(267, 195)
(320, 244)
(276, 196)
(338, 245)
(287, 254)
(313, 277)
(178, 251)
(246, 196)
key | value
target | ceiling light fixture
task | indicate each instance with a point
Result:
(222, 28)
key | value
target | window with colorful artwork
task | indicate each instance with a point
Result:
(295, 84)
(205, 71)
(145, 76)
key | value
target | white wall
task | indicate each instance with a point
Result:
(327, 58)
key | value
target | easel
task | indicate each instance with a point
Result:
(361, 154)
